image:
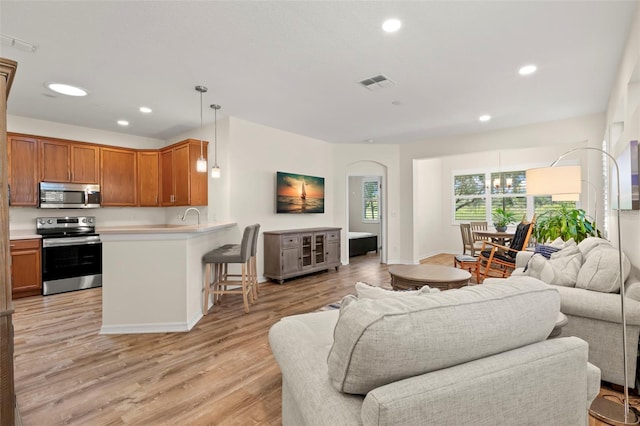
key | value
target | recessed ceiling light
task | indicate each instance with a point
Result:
(485, 117)
(123, 123)
(145, 110)
(527, 69)
(391, 25)
(67, 89)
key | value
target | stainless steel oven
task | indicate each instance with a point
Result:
(71, 254)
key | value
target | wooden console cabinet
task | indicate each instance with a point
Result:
(296, 252)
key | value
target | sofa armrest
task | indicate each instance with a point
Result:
(522, 258)
(555, 368)
(300, 345)
(594, 304)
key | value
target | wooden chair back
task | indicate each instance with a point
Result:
(467, 238)
(478, 226)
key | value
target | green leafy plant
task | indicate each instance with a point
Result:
(501, 218)
(565, 223)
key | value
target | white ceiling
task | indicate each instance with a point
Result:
(294, 65)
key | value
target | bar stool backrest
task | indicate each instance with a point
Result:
(245, 245)
(254, 244)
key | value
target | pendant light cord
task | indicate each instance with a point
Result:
(201, 156)
(215, 136)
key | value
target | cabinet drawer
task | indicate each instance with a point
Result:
(290, 241)
(333, 236)
(24, 244)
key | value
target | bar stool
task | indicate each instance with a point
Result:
(221, 258)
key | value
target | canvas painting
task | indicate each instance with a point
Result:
(299, 193)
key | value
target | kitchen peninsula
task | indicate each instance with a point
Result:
(152, 275)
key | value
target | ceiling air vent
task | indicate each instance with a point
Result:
(376, 82)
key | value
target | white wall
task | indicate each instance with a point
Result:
(623, 121)
(428, 218)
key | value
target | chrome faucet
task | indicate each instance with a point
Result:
(184, 215)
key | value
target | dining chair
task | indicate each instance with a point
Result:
(468, 242)
(499, 261)
(220, 258)
(479, 226)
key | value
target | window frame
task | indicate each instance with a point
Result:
(363, 217)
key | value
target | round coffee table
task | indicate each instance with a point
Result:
(413, 277)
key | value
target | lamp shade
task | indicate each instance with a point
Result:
(554, 180)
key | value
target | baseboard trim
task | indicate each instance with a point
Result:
(168, 327)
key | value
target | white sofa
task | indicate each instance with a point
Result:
(472, 356)
(596, 317)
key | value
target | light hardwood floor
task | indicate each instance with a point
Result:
(220, 373)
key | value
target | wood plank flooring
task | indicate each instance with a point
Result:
(220, 373)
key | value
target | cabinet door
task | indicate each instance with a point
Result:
(319, 248)
(290, 260)
(55, 161)
(148, 178)
(85, 165)
(26, 277)
(198, 181)
(118, 186)
(333, 252)
(181, 175)
(23, 171)
(306, 251)
(166, 178)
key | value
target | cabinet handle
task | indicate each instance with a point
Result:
(68, 174)
(156, 199)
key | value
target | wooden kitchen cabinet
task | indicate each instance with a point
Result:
(26, 269)
(118, 177)
(23, 170)
(64, 161)
(148, 178)
(296, 252)
(180, 183)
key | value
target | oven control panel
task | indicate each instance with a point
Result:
(65, 222)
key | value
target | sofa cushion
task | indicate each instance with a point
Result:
(561, 268)
(379, 341)
(600, 270)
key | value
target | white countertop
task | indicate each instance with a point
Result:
(23, 234)
(164, 228)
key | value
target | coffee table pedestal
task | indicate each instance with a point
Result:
(413, 277)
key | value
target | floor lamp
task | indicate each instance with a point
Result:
(554, 180)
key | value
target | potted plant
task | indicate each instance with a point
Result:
(565, 223)
(501, 218)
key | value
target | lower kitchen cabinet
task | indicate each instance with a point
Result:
(296, 252)
(26, 268)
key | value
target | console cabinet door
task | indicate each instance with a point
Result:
(290, 260)
(23, 171)
(319, 249)
(118, 186)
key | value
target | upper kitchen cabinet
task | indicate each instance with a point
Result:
(64, 161)
(118, 177)
(148, 178)
(180, 183)
(23, 170)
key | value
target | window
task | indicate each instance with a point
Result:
(470, 197)
(476, 196)
(371, 200)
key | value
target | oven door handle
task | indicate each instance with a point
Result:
(71, 241)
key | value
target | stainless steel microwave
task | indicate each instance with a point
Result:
(55, 195)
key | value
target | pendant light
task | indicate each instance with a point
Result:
(201, 164)
(215, 170)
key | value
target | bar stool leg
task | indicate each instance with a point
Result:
(245, 291)
(206, 284)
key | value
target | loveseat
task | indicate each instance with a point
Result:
(594, 311)
(472, 356)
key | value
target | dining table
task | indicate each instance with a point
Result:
(498, 237)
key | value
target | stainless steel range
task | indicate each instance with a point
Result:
(71, 254)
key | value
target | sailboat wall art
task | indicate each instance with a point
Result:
(299, 193)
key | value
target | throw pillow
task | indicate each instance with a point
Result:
(545, 250)
(366, 291)
(561, 268)
(600, 270)
(381, 341)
